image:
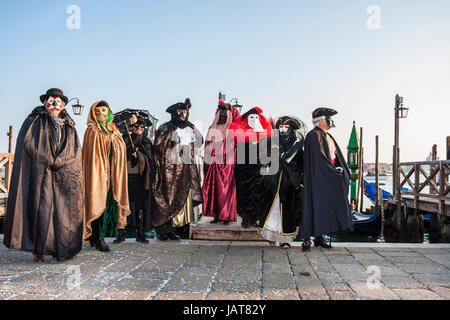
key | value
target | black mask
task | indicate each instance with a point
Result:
(287, 140)
(176, 120)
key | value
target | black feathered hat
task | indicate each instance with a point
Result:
(180, 105)
(54, 92)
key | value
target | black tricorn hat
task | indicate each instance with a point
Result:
(180, 105)
(54, 92)
(324, 112)
(288, 120)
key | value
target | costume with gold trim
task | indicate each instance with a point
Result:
(280, 219)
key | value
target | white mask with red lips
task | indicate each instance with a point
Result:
(54, 103)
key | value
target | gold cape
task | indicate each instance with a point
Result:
(96, 177)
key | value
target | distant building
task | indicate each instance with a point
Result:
(385, 168)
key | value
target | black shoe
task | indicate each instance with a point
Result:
(163, 237)
(140, 237)
(173, 236)
(226, 223)
(121, 236)
(320, 242)
(140, 234)
(215, 221)
(306, 246)
(244, 225)
(100, 245)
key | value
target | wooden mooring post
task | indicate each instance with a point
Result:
(448, 148)
(377, 175)
(361, 171)
(10, 135)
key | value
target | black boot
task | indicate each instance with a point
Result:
(306, 246)
(100, 245)
(162, 237)
(174, 236)
(140, 234)
(121, 236)
(320, 242)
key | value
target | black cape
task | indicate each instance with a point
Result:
(286, 183)
(250, 183)
(325, 195)
(139, 191)
(45, 205)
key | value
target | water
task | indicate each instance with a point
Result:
(386, 183)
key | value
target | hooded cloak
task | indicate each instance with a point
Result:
(219, 186)
(45, 204)
(96, 172)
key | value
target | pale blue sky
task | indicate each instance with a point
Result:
(287, 57)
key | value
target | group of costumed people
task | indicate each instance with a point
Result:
(274, 178)
(63, 194)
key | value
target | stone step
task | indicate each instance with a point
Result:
(204, 230)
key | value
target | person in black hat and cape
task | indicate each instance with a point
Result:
(45, 206)
(176, 188)
(141, 172)
(279, 222)
(326, 207)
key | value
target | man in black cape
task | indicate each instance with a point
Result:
(45, 204)
(326, 207)
(141, 172)
(279, 222)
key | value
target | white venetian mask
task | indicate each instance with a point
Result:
(54, 103)
(254, 123)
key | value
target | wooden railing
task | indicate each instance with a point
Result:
(6, 161)
(437, 179)
(6, 166)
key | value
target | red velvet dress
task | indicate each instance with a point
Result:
(219, 186)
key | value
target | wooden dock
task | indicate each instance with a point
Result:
(6, 161)
(204, 230)
(427, 192)
(3, 198)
